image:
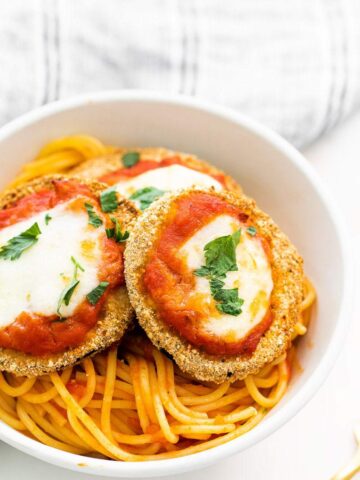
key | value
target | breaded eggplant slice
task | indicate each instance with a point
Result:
(116, 316)
(98, 167)
(286, 295)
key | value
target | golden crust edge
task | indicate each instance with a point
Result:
(286, 298)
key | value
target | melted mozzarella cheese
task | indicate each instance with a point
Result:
(173, 177)
(34, 282)
(253, 278)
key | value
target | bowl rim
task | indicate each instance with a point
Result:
(199, 460)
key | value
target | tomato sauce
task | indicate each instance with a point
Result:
(43, 200)
(170, 283)
(143, 166)
(76, 388)
(43, 335)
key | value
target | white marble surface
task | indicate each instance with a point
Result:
(319, 439)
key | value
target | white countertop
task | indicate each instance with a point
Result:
(319, 439)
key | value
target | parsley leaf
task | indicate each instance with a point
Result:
(146, 196)
(229, 301)
(77, 266)
(231, 307)
(47, 219)
(17, 245)
(130, 159)
(66, 294)
(116, 232)
(215, 285)
(108, 201)
(251, 231)
(94, 219)
(110, 232)
(68, 291)
(203, 271)
(95, 294)
(220, 258)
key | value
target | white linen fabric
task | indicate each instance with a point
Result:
(292, 64)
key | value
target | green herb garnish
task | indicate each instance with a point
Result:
(130, 159)
(66, 295)
(110, 232)
(220, 258)
(108, 201)
(94, 219)
(47, 219)
(146, 196)
(228, 298)
(251, 231)
(95, 294)
(77, 266)
(68, 291)
(116, 232)
(13, 249)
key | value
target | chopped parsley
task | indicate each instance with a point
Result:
(116, 232)
(68, 291)
(228, 298)
(95, 294)
(94, 219)
(220, 258)
(47, 219)
(251, 231)
(66, 295)
(130, 159)
(146, 196)
(77, 266)
(108, 201)
(13, 249)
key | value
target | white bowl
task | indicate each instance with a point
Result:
(269, 169)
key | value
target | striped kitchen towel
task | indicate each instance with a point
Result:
(292, 64)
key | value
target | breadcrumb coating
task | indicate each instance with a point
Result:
(286, 297)
(117, 314)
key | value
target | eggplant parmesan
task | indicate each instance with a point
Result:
(145, 174)
(214, 282)
(62, 288)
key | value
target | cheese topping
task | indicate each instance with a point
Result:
(253, 278)
(34, 282)
(173, 177)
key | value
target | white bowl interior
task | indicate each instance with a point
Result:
(267, 168)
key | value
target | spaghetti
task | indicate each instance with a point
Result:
(131, 403)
